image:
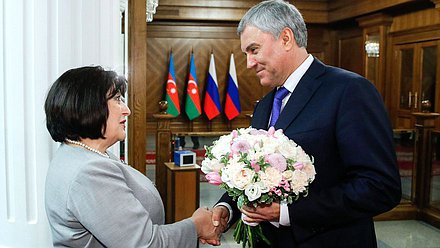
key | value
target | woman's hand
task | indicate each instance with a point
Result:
(202, 218)
(220, 217)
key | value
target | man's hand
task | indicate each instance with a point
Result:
(220, 217)
(261, 213)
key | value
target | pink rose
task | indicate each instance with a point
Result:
(277, 161)
(255, 166)
(214, 178)
(234, 134)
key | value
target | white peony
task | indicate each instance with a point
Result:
(288, 150)
(242, 178)
(270, 146)
(227, 174)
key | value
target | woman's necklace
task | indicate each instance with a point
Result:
(87, 147)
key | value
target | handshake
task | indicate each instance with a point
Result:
(210, 223)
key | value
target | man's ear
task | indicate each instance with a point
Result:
(287, 38)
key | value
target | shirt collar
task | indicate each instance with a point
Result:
(293, 80)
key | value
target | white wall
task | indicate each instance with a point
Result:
(39, 40)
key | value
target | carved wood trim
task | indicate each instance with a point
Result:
(137, 66)
(375, 20)
(346, 9)
(437, 4)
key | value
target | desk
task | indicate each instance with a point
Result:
(182, 191)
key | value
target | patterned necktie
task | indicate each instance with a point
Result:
(279, 96)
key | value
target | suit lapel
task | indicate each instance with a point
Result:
(260, 118)
(305, 89)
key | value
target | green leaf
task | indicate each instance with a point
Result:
(241, 201)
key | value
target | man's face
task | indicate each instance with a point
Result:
(265, 55)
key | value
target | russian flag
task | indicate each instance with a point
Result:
(232, 105)
(211, 105)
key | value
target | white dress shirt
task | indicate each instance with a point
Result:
(293, 80)
(290, 84)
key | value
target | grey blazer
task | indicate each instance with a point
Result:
(92, 201)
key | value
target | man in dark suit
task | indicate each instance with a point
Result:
(337, 117)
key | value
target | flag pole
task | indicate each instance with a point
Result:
(210, 121)
(191, 126)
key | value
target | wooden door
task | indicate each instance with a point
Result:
(416, 85)
(405, 73)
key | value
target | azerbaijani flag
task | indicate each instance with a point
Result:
(192, 103)
(172, 97)
(211, 104)
(232, 105)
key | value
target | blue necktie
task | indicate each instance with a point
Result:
(277, 101)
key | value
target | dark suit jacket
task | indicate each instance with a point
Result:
(339, 118)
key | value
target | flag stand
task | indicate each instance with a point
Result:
(209, 126)
(230, 125)
(191, 126)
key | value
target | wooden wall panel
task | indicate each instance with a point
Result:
(159, 49)
(219, 38)
(343, 39)
(346, 9)
(352, 61)
(314, 11)
(415, 20)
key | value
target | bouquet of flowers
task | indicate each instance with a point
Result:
(258, 167)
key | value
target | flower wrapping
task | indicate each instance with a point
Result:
(258, 167)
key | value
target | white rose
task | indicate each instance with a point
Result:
(288, 175)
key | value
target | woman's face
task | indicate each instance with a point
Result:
(118, 111)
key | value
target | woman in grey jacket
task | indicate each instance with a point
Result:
(92, 199)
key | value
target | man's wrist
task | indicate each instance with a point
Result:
(228, 207)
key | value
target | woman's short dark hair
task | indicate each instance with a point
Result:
(76, 105)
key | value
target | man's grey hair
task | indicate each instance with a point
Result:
(272, 17)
